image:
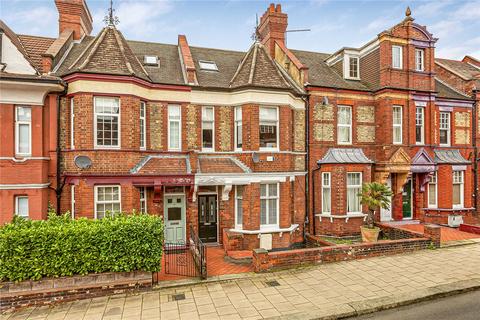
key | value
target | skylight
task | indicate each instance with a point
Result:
(208, 65)
(150, 60)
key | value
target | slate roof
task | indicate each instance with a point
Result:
(109, 53)
(451, 156)
(445, 91)
(465, 70)
(344, 155)
(162, 165)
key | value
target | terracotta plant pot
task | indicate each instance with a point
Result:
(369, 234)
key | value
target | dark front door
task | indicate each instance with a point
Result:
(407, 200)
(207, 218)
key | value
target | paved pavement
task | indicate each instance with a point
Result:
(459, 307)
(323, 290)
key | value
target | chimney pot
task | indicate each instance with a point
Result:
(278, 8)
(272, 28)
(74, 15)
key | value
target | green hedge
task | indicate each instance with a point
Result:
(60, 246)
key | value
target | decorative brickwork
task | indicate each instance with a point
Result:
(225, 118)
(299, 130)
(366, 114)
(157, 122)
(323, 112)
(323, 132)
(462, 119)
(462, 136)
(365, 133)
(192, 124)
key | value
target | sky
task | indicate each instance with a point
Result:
(230, 24)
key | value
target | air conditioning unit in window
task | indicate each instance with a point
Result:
(454, 220)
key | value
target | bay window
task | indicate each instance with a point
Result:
(143, 125)
(208, 125)
(107, 200)
(21, 206)
(445, 128)
(344, 125)
(269, 205)
(419, 125)
(174, 127)
(457, 195)
(238, 128)
(107, 122)
(354, 187)
(143, 199)
(432, 191)
(23, 131)
(238, 207)
(397, 124)
(268, 128)
(326, 193)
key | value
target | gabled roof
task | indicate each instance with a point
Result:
(221, 164)
(36, 46)
(109, 53)
(16, 42)
(445, 91)
(463, 69)
(258, 69)
(163, 165)
(344, 155)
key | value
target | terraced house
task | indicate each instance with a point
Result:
(253, 149)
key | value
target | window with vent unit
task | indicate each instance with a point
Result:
(208, 65)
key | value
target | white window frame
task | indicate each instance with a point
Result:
(238, 226)
(213, 127)
(266, 198)
(238, 123)
(329, 187)
(349, 126)
(447, 129)
(17, 132)
(143, 125)
(17, 200)
(419, 59)
(268, 122)
(143, 199)
(433, 182)
(95, 114)
(421, 125)
(461, 182)
(347, 69)
(72, 124)
(397, 125)
(400, 58)
(208, 65)
(72, 198)
(170, 148)
(95, 195)
(359, 186)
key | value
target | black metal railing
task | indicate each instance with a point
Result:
(199, 253)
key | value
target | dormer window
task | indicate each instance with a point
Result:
(150, 61)
(352, 67)
(208, 65)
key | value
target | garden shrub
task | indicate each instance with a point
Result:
(61, 246)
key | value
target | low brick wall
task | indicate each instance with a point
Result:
(406, 242)
(394, 233)
(470, 228)
(15, 295)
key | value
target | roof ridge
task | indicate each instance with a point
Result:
(254, 63)
(32, 36)
(241, 65)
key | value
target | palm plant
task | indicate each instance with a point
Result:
(374, 195)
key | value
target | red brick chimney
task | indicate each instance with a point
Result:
(74, 15)
(272, 27)
(187, 60)
(471, 60)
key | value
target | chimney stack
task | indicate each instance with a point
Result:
(75, 16)
(187, 60)
(273, 25)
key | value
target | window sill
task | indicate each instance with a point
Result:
(342, 216)
(290, 229)
(268, 149)
(106, 147)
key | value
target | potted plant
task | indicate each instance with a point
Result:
(375, 196)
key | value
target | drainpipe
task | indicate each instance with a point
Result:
(306, 221)
(313, 200)
(475, 149)
(60, 185)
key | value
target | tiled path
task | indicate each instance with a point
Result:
(448, 234)
(302, 294)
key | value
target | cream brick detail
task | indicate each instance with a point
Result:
(366, 114)
(156, 125)
(323, 132)
(365, 133)
(299, 130)
(299, 163)
(191, 124)
(225, 128)
(462, 119)
(323, 113)
(462, 136)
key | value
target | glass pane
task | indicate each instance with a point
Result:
(174, 135)
(443, 137)
(207, 114)
(263, 190)
(272, 190)
(239, 212)
(174, 112)
(263, 211)
(432, 197)
(100, 211)
(22, 206)
(239, 191)
(353, 179)
(174, 214)
(239, 135)
(326, 200)
(207, 135)
(24, 114)
(344, 134)
(238, 113)
(24, 138)
(268, 136)
(272, 211)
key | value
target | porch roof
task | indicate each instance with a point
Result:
(450, 156)
(344, 155)
(163, 165)
(221, 164)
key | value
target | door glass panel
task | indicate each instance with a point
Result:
(213, 210)
(174, 214)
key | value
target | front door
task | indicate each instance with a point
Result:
(207, 218)
(386, 214)
(174, 218)
(407, 200)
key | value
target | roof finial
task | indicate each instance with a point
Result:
(408, 12)
(110, 19)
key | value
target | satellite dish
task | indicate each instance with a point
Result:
(83, 162)
(255, 157)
